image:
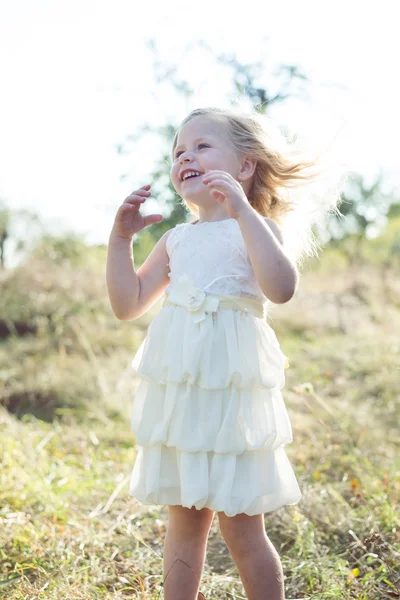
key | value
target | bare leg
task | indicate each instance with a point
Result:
(185, 551)
(256, 558)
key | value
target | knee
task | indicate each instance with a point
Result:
(190, 522)
(242, 532)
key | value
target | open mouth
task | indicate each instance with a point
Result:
(191, 175)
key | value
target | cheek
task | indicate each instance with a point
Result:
(174, 174)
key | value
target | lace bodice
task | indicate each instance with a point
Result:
(214, 255)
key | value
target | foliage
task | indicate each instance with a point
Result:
(68, 526)
(66, 249)
(365, 207)
(4, 230)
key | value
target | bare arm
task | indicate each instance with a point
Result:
(276, 274)
(133, 293)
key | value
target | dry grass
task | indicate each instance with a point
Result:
(69, 530)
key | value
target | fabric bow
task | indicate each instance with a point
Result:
(197, 302)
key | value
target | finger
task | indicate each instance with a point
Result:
(215, 192)
(125, 206)
(132, 199)
(150, 219)
(219, 196)
(141, 192)
(226, 180)
(218, 183)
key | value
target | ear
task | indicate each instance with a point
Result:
(248, 166)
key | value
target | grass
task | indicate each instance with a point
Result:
(69, 529)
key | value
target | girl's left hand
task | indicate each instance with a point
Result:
(227, 191)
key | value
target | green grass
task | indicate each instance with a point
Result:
(69, 529)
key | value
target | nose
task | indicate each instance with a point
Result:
(185, 157)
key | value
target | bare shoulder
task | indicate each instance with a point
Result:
(276, 230)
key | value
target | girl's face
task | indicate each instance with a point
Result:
(202, 145)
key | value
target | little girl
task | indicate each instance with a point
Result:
(208, 413)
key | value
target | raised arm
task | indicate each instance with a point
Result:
(132, 293)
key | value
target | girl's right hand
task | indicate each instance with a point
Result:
(128, 220)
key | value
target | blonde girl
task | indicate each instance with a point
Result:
(208, 414)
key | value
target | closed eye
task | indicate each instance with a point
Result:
(177, 154)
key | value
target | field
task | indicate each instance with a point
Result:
(68, 528)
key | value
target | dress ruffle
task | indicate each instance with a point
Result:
(251, 483)
(228, 347)
(209, 417)
(194, 419)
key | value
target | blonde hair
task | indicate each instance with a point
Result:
(280, 171)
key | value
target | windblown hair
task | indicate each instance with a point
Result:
(280, 171)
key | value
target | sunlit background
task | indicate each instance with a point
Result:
(79, 77)
(82, 84)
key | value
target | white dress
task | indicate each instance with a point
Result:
(208, 414)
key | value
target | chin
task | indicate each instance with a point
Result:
(194, 198)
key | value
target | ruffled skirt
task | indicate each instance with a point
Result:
(208, 414)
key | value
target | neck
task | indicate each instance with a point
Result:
(212, 214)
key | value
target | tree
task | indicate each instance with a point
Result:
(19, 230)
(5, 218)
(364, 213)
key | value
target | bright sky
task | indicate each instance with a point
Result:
(76, 78)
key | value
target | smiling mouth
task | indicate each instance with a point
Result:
(194, 176)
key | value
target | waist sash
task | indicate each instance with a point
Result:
(198, 303)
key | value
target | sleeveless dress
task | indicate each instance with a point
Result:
(208, 414)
